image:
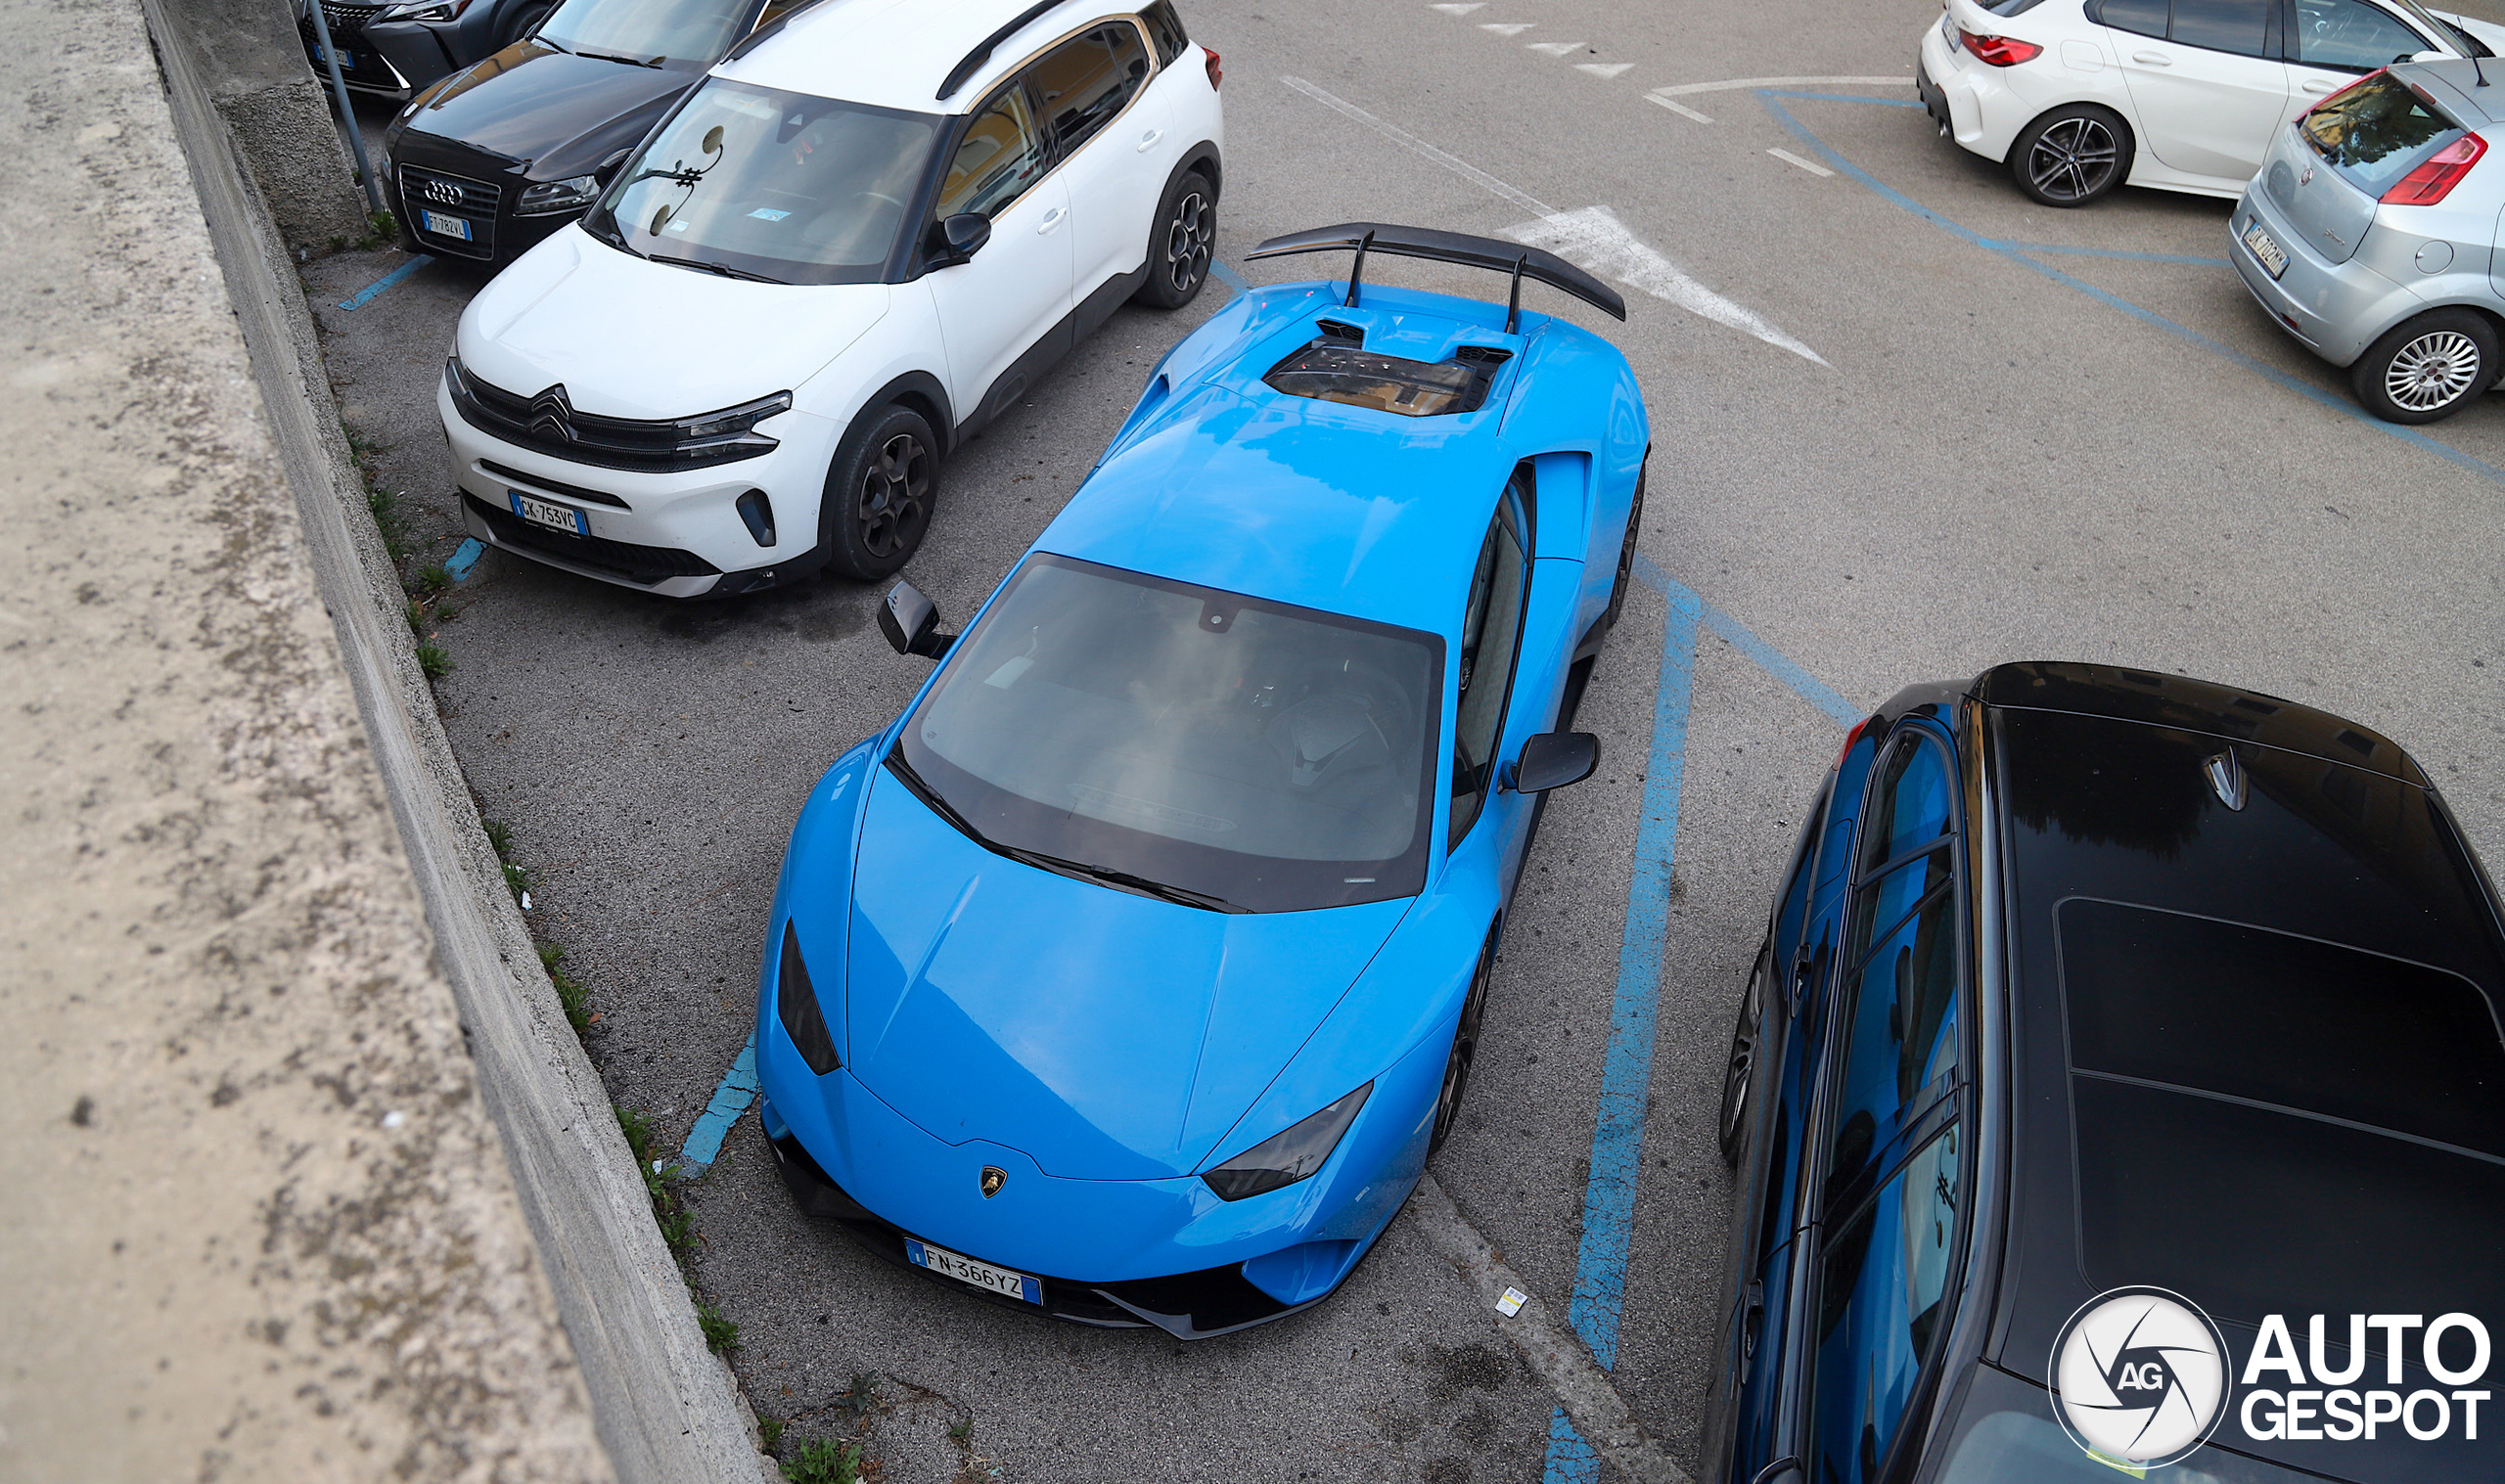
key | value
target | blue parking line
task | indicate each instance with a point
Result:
(2137, 257)
(1891, 102)
(465, 559)
(1229, 277)
(1764, 655)
(365, 295)
(2338, 404)
(731, 1098)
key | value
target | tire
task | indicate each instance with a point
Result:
(523, 21)
(2428, 367)
(1180, 242)
(1465, 1051)
(880, 493)
(1739, 1067)
(2072, 155)
(1626, 552)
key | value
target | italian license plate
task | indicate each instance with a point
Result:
(444, 226)
(2272, 258)
(982, 1274)
(548, 513)
(348, 60)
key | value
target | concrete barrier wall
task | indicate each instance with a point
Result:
(252, 63)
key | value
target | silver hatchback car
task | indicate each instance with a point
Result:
(2371, 233)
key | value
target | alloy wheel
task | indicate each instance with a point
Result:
(893, 493)
(1740, 1066)
(1465, 1050)
(1186, 242)
(2072, 160)
(2432, 371)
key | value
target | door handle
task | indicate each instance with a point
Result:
(1052, 219)
(1150, 138)
(2153, 59)
(2319, 85)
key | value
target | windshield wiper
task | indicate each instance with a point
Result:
(653, 62)
(1120, 880)
(724, 269)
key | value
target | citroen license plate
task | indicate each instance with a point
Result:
(1006, 1282)
(2272, 258)
(548, 513)
(444, 226)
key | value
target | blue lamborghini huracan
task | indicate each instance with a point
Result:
(1136, 972)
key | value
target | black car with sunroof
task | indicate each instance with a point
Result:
(2118, 1093)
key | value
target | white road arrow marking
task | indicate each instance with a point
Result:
(1458, 10)
(1502, 30)
(1603, 68)
(1554, 48)
(1734, 85)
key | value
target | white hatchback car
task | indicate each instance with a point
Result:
(2079, 96)
(860, 239)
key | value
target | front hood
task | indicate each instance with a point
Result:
(631, 338)
(1106, 1036)
(553, 109)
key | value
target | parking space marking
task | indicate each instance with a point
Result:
(1553, 48)
(1503, 30)
(1603, 70)
(464, 559)
(1458, 10)
(1771, 98)
(1596, 240)
(1676, 106)
(1229, 277)
(1788, 157)
(1757, 651)
(365, 295)
(1747, 84)
(731, 1098)
(2068, 250)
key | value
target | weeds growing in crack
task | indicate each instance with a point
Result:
(722, 1335)
(823, 1460)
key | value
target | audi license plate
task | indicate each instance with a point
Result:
(444, 226)
(548, 513)
(1001, 1281)
(2272, 258)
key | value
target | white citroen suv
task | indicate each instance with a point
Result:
(860, 239)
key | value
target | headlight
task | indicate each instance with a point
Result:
(735, 420)
(1283, 1159)
(424, 10)
(575, 195)
(795, 1005)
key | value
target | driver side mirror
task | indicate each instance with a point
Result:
(1553, 760)
(606, 171)
(911, 623)
(957, 239)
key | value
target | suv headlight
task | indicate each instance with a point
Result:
(734, 419)
(1283, 1159)
(550, 196)
(424, 10)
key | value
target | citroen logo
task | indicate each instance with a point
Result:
(993, 1177)
(552, 416)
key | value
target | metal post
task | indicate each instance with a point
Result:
(347, 115)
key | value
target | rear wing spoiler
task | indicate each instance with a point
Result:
(1449, 247)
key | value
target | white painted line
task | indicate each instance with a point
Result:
(1458, 10)
(1788, 157)
(1607, 246)
(1603, 68)
(1736, 83)
(1553, 48)
(1679, 107)
(1508, 31)
(1598, 242)
(1591, 1399)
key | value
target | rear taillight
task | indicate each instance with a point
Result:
(2430, 182)
(1216, 75)
(1999, 51)
(1849, 738)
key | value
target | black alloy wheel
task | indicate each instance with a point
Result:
(1465, 1050)
(2072, 155)
(1180, 243)
(2428, 367)
(1739, 1068)
(1627, 547)
(878, 495)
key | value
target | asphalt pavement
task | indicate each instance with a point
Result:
(1907, 424)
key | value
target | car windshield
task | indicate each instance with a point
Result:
(756, 182)
(2376, 131)
(1263, 757)
(693, 31)
(2004, 1432)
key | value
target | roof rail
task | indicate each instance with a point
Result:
(981, 54)
(762, 34)
(1450, 248)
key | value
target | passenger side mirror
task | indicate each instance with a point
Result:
(911, 623)
(958, 237)
(1553, 760)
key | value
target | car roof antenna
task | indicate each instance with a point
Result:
(2478, 66)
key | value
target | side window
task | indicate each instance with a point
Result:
(1165, 28)
(998, 157)
(1880, 1278)
(1084, 82)
(1491, 628)
(1909, 808)
(2350, 36)
(2141, 18)
(2241, 27)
